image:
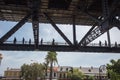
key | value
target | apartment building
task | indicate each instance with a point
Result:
(12, 74)
(95, 72)
(60, 73)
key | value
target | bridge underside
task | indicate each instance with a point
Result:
(61, 48)
(102, 15)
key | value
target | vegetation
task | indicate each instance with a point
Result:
(114, 69)
(33, 71)
(75, 74)
(91, 78)
(36, 71)
(51, 58)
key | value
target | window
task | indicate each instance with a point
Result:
(61, 69)
(66, 69)
(45, 74)
(54, 74)
(60, 75)
(64, 75)
(89, 70)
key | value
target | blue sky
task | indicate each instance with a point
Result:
(14, 59)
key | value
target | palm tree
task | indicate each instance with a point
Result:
(50, 59)
(45, 67)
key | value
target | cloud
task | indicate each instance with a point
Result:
(114, 33)
(24, 32)
(85, 59)
(14, 59)
(47, 32)
(5, 27)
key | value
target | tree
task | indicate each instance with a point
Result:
(25, 71)
(91, 78)
(114, 69)
(75, 74)
(50, 59)
(45, 67)
(114, 66)
(32, 71)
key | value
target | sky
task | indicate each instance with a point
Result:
(15, 59)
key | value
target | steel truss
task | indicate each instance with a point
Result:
(103, 23)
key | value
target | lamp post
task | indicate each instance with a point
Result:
(1, 58)
(101, 69)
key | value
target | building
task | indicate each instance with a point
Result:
(54, 74)
(60, 73)
(12, 74)
(95, 72)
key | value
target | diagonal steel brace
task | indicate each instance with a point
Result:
(57, 29)
(15, 28)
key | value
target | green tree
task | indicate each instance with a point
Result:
(114, 69)
(51, 58)
(91, 78)
(32, 71)
(25, 71)
(75, 74)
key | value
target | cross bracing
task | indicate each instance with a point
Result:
(101, 14)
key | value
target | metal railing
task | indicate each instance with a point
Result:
(43, 43)
(60, 43)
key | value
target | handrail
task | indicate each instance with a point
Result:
(60, 43)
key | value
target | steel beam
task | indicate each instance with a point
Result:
(115, 4)
(83, 41)
(116, 19)
(35, 24)
(74, 31)
(108, 36)
(106, 13)
(94, 34)
(119, 28)
(103, 26)
(116, 23)
(57, 29)
(15, 28)
(35, 21)
(92, 17)
(65, 48)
